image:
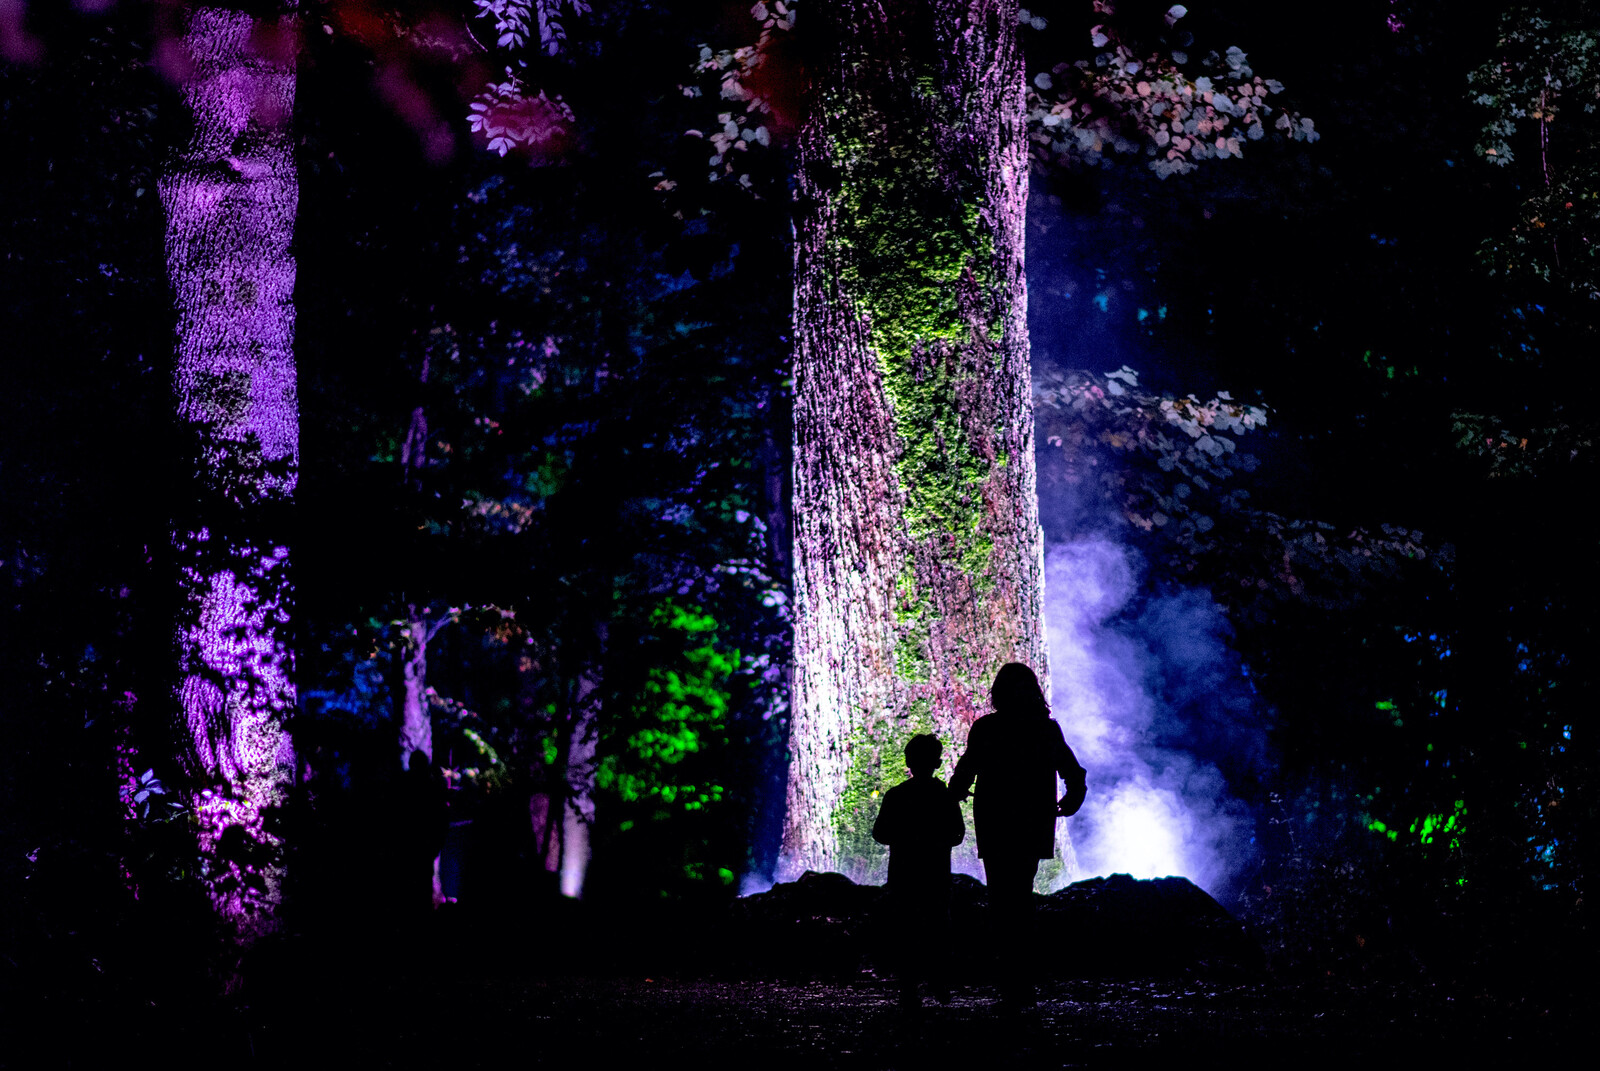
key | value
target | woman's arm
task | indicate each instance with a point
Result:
(969, 765)
(1072, 774)
(956, 825)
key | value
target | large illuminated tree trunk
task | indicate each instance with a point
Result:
(230, 198)
(918, 554)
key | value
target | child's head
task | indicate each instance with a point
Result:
(923, 753)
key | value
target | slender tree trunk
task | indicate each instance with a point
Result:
(416, 720)
(578, 816)
(414, 714)
(563, 813)
(774, 479)
(583, 749)
(230, 198)
(918, 553)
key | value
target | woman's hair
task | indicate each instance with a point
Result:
(1016, 691)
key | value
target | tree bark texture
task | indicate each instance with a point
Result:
(918, 553)
(230, 199)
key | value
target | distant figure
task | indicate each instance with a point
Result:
(1014, 756)
(920, 821)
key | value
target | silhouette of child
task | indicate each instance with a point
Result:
(920, 821)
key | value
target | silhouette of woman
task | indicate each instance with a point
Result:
(1014, 755)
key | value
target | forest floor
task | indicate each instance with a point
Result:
(572, 988)
(640, 1022)
(486, 1015)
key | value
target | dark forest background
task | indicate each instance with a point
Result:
(602, 368)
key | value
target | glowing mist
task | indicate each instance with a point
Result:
(1156, 807)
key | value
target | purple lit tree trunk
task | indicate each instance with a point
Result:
(416, 721)
(918, 553)
(230, 198)
(415, 714)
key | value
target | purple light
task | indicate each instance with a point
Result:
(230, 197)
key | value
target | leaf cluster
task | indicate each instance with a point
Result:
(1160, 104)
(1171, 471)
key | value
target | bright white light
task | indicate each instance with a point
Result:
(1140, 833)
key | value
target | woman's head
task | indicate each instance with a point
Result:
(1016, 691)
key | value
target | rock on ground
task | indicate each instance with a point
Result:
(827, 926)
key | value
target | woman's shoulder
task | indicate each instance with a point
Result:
(982, 727)
(1050, 734)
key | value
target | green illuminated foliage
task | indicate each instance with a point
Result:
(671, 780)
(681, 709)
(1442, 829)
